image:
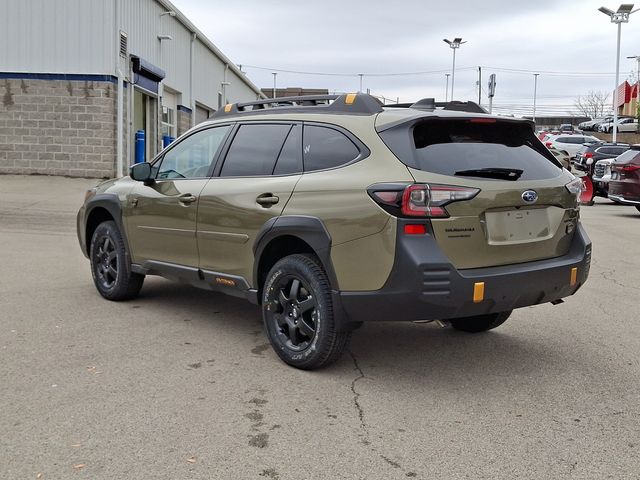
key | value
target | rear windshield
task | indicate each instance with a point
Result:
(462, 147)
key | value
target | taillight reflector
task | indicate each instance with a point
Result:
(415, 229)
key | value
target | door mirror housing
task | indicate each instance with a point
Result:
(141, 172)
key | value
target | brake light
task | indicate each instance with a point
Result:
(415, 229)
(629, 168)
(424, 200)
(548, 144)
(482, 120)
(418, 199)
(588, 155)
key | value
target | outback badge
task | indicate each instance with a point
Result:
(529, 196)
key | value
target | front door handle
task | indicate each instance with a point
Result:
(267, 200)
(187, 199)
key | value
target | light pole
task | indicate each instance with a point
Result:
(446, 90)
(535, 94)
(637, 58)
(454, 44)
(619, 17)
(361, 75)
(275, 74)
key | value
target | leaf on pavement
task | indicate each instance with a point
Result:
(79, 466)
(191, 459)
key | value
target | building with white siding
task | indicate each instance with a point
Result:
(78, 79)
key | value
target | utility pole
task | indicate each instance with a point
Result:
(274, 84)
(535, 94)
(360, 75)
(637, 115)
(446, 91)
(492, 90)
(479, 85)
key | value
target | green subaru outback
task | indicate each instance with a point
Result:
(332, 211)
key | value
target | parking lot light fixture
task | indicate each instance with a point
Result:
(454, 44)
(621, 16)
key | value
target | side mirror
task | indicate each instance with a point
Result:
(141, 172)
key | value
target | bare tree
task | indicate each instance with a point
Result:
(593, 104)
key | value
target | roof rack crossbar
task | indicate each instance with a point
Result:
(355, 104)
(430, 104)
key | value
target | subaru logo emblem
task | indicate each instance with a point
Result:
(529, 196)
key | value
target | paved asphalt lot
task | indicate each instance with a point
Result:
(181, 384)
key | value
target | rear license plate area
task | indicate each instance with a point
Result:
(518, 226)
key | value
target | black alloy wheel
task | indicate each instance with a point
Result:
(105, 262)
(110, 266)
(298, 315)
(294, 313)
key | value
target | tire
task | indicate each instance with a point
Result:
(297, 311)
(480, 323)
(110, 267)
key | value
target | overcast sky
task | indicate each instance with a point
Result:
(571, 38)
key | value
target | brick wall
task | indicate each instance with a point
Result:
(184, 121)
(58, 127)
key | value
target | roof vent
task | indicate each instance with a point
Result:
(123, 44)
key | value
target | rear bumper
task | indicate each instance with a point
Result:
(624, 201)
(424, 285)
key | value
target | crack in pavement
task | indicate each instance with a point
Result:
(356, 395)
(363, 424)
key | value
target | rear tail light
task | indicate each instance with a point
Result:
(548, 144)
(419, 199)
(575, 187)
(588, 155)
(629, 168)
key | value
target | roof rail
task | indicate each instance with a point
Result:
(430, 104)
(350, 103)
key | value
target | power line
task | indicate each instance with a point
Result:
(515, 71)
(345, 74)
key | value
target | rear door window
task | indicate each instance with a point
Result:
(290, 159)
(254, 150)
(325, 147)
(469, 148)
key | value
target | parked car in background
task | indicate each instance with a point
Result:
(601, 177)
(570, 143)
(562, 156)
(566, 128)
(626, 125)
(607, 127)
(588, 125)
(589, 154)
(624, 186)
(596, 123)
(541, 134)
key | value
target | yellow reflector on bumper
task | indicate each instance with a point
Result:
(478, 292)
(350, 99)
(227, 107)
(574, 276)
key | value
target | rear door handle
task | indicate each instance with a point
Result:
(267, 199)
(187, 198)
